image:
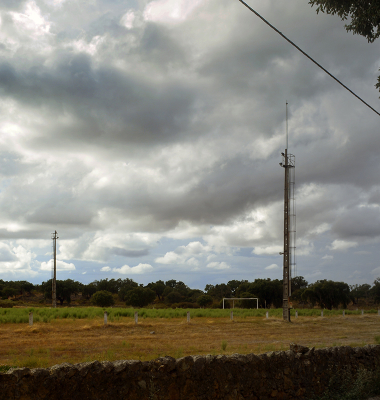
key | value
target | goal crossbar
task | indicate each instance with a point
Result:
(240, 298)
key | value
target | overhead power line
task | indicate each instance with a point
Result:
(319, 65)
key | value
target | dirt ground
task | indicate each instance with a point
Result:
(62, 340)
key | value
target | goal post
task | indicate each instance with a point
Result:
(240, 298)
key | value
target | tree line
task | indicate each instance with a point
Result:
(323, 293)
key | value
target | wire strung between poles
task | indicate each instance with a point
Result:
(306, 55)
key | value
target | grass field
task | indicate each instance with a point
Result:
(21, 315)
(71, 335)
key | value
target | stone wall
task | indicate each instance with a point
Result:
(295, 374)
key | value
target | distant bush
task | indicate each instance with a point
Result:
(103, 298)
(6, 303)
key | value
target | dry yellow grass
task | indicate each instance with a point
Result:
(62, 340)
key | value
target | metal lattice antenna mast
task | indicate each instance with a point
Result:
(287, 164)
(54, 278)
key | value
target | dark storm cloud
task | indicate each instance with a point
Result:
(154, 127)
(158, 46)
(122, 108)
(358, 222)
(24, 234)
(129, 253)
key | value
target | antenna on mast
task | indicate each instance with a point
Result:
(286, 125)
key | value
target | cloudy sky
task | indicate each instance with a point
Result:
(149, 133)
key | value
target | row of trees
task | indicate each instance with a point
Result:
(15, 288)
(323, 293)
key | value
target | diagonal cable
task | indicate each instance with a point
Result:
(319, 65)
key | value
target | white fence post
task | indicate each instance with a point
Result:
(105, 317)
(267, 314)
(296, 314)
(232, 315)
(30, 318)
(136, 317)
(188, 316)
(362, 312)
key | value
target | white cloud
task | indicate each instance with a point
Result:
(169, 258)
(327, 257)
(138, 269)
(342, 245)
(185, 254)
(193, 262)
(272, 266)
(169, 11)
(16, 260)
(218, 265)
(268, 250)
(105, 269)
(60, 265)
(127, 19)
(376, 271)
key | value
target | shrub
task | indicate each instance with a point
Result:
(139, 297)
(103, 298)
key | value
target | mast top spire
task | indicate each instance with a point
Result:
(287, 135)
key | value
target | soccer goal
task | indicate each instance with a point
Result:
(240, 298)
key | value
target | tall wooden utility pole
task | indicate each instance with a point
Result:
(289, 221)
(54, 278)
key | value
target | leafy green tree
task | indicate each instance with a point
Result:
(64, 289)
(299, 282)
(218, 291)
(158, 287)
(125, 286)
(140, 297)
(234, 285)
(299, 285)
(204, 300)
(89, 290)
(268, 291)
(193, 294)
(103, 298)
(360, 292)
(328, 294)
(243, 287)
(174, 297)
(364, 15)
(111, 285)
(248, 303)
(167, 290)
(375, 290)
(8, 291)
(171, 283)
